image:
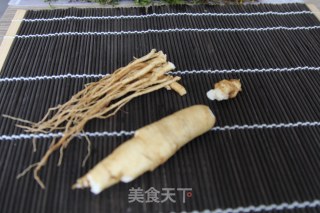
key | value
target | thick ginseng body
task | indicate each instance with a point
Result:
(151, 146)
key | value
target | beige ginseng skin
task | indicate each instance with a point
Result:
(150, 147)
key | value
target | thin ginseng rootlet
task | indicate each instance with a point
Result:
(101, 99)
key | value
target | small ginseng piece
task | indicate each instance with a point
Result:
(150, 147)
(103, 99)
(225, 89)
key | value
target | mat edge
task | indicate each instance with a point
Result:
(8, 38)
(313, 8)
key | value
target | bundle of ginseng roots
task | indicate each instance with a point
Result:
(102, 99)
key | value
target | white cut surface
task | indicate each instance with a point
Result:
(126, 179)
(217, 94)
(95, 188)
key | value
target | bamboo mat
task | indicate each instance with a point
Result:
(262, 155)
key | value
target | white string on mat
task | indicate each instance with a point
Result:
(265, 208)
(129, 133)
(60, 134)
(200, 30)
(185, 72)
(165, 15)
(52, 77)
(285, 69)
(266, 126)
